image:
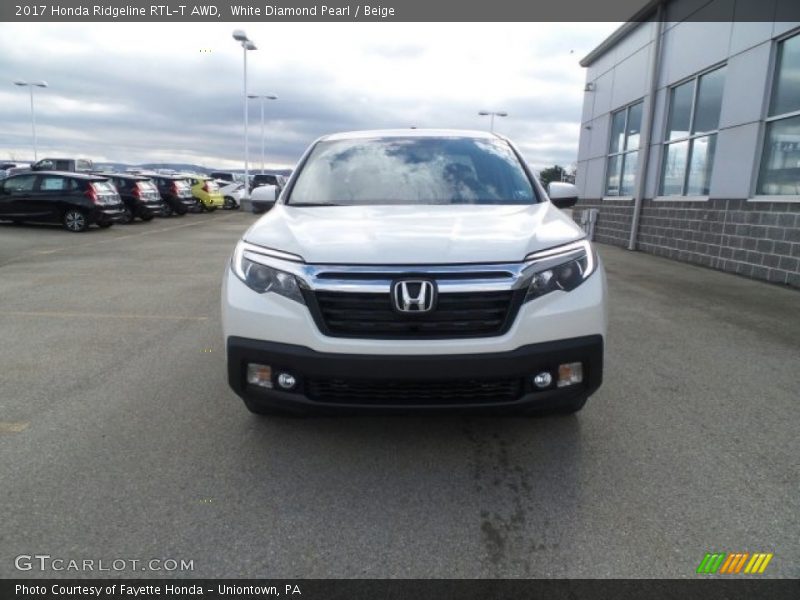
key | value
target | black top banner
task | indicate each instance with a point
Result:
(398, 10)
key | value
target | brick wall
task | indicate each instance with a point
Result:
(755, 239)
(613, 224)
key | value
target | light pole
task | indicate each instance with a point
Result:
(31, 85)
(492, 114)
(247, 44)
(262, 97)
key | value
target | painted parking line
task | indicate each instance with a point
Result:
(13, 427)
(71, 315)
(115, 238)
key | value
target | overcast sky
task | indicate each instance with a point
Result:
(134, 92)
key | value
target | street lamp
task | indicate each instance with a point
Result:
(262, 97)
(247, 44)
(31, 85)
(492, 114)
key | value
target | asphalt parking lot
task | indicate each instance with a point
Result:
(121, 439)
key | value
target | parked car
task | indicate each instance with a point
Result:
(176, 193)
(5, 169)
(82, 165)
(223, 175)
(267, 179)
(206, 192)
(76, 200)
(10, 169)
(232, 193)
(423, 269)
(139, 194)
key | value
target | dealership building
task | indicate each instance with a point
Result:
(690, 136)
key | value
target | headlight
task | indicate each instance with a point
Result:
(262, 278)
(563, 268)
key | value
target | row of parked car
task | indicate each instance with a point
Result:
(65, 191)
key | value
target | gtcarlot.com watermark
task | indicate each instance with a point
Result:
(46, 562)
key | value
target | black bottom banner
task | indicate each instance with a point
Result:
(391, 589)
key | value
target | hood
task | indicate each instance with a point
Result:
(413, 234)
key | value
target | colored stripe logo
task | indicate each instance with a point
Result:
(734, 563)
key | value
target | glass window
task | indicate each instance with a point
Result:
(411, 171)
(680, 110)
(780, 161)
(674, 171)
(617, 132)
(692, 135)
(786, 89)
(634, 127)
(709, 102)
(700, 161)
(780, 165)
(613, 175)
(23, 183)
(52, 184)
(631, 161)
(626, 125)
(104, 187)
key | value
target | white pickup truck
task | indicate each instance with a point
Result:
(415, 270)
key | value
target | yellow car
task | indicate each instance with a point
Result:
(206, 192)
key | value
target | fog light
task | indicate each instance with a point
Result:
(286, 381)
(542, 380)
(570, 374)
(260, 375)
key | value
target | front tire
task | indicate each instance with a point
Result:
(127, 216)
(75, 221)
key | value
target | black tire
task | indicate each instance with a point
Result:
(211, 208)
(127, 217)
(167, 212)
(75, 221)
(104, 224)
(180, 212)
(146, 216)
(230, 203)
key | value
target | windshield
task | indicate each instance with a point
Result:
(412, 170)
(104, 187)
(146, 186)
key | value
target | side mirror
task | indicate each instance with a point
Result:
(563, 195)
(263, 198)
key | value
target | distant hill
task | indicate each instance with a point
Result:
(182, 167)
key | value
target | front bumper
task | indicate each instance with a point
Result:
(217, 200)
(403, 382)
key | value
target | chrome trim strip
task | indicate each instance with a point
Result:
(377, 279)
(513, 275)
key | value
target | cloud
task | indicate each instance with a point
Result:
(135, 92)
